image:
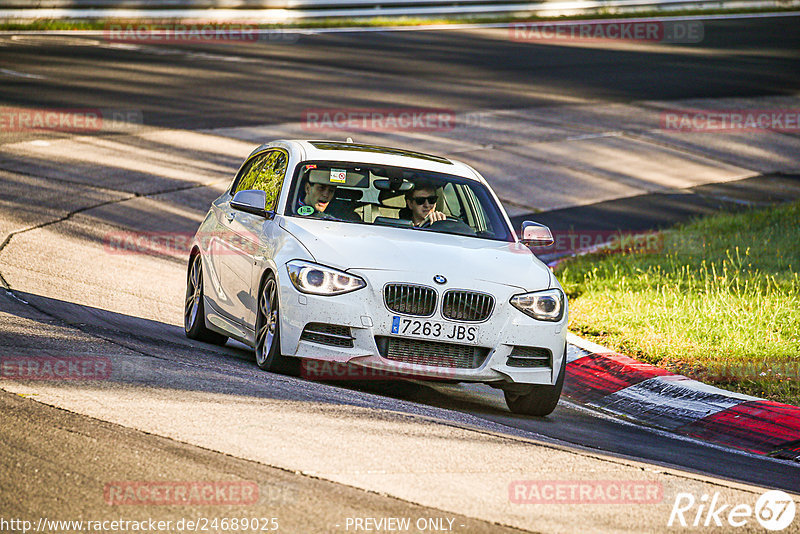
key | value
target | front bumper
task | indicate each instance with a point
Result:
(369, 320)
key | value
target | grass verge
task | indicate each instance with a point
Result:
(102, 24)
(719, 302)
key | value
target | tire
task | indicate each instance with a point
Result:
(194, 316)
(268, 324)
(539, 400)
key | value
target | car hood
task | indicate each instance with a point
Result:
(361, 247)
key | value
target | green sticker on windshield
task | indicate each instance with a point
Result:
(305, 210)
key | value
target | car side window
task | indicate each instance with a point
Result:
(265, 173)
(451, 200)
(476, 208)
(247, 173)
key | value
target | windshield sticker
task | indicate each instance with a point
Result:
(305, 210)
(338, 176)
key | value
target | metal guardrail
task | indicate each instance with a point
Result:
(282, 10)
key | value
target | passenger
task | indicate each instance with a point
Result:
(420, 204)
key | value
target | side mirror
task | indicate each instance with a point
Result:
(536, 235)
(251, 201)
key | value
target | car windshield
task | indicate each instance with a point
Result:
(399, 197)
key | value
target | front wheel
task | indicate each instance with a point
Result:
(268, 343)
(539, 400)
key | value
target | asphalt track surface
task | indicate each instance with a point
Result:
(58, 452)
(213, 86)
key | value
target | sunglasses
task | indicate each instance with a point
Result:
(419, 201)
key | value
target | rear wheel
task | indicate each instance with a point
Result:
(194, 316)
(268, 343)
(539, 400)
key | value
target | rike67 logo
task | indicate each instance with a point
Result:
(774, 510)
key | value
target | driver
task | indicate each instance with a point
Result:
(421, 202)
(315, 195)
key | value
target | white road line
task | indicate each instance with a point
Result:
(594, 136)
(10, 72)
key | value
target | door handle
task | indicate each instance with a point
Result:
(230, 216)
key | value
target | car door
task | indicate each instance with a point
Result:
(247, 234)
(216, 241)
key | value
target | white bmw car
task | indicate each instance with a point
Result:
(379, 258)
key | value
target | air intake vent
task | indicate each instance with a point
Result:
(431, 353)
(327, 334)
(530, 357)
(467, 305)
(410, 299)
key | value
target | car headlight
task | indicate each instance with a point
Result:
(320, 280)
(547, 305)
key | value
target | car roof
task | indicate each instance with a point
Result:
(323, 150)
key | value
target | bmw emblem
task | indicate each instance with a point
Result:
(439, 279)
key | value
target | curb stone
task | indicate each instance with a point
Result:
(602, 379)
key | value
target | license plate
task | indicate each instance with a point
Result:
(436, 330)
